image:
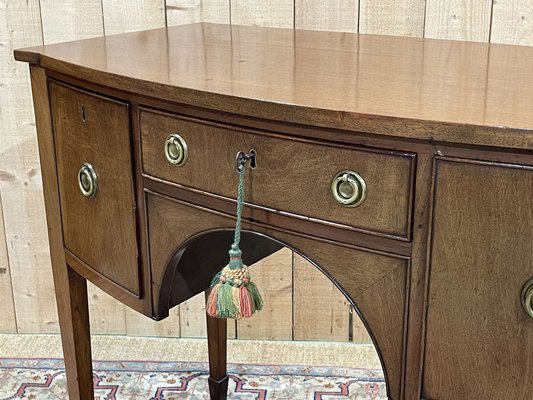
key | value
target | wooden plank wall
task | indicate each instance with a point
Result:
(292, 287)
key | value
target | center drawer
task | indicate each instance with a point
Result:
(292, 175)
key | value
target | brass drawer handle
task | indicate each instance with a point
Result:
(176, 150)
(348, 188)
(527, 298)
(88, 180)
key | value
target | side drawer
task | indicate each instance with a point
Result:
(292, 176)
(99, 230)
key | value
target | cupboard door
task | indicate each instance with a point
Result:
(479, 342)
(92, 132)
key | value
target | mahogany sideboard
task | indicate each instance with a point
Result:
(401, 167)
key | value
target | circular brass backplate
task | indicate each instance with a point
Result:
(348, 188)
(527, 297)
(176, 151)
(88, 180)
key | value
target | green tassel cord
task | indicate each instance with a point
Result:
(233, 294)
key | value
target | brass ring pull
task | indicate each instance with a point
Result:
(348, 188)
(88, 180)
(527, 298)
(176, 150)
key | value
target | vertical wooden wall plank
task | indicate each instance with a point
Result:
(275, 13)
(512, 22)
(20, 180)
(336, 15)
(321, 312)
(458, 19)
(181, 12)
(132, 15)
(192, 321)
(139, 325)
(7, 306)
(106, 315)
(273, 276)
(71, 19)
(398, 17)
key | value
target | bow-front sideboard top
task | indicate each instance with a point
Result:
(401, 167)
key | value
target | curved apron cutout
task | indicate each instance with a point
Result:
(208, 251)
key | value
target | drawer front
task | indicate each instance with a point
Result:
(479, 335)
(293, 176)
(100, 230)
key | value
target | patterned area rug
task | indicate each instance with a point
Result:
(44, 379)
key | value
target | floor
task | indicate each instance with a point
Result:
(169, 349)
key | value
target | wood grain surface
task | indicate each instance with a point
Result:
(361, 94)
(317, 296)
(8, 324)
(381, 303)
(292, 176)
(327, 15)
(418, 276)
(459, 20)
(22, 24)
(71, 19)
(443, 93)
(398, 17)
(70, 287)
(274, 275)
(121, 16)
(179, 12)
(383, 85)
(376, 282)
(481, 258)
(96, 130)
(278, 13)
(511, 22)
(21, 187)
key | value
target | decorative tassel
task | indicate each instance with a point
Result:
(233, 294)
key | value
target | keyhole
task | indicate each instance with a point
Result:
(83, 117)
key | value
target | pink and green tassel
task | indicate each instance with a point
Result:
(233, 294)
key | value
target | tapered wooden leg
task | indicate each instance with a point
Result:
(71, 288)
(71, 294)
(216, 343)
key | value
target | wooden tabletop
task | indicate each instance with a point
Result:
(444, 91)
